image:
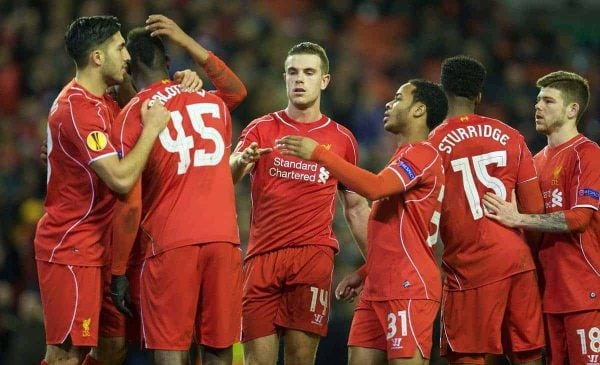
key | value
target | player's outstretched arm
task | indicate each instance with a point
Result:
(121, 175)
(229, 87)
(242, 162)
(365, 183)
(507, 213)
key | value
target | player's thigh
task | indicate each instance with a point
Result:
(218, 320)
(362, 355)
(170, 287)
(263, 277)
(71, 298)
(463, 328)
(582, 331)
(262, 350)
(305, 304)
(523, 328)
(299, 347)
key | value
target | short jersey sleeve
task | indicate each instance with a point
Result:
(411, 165)
(585, 187)
(526, 166)
(90, 128)
(128, 127)
(250, 134)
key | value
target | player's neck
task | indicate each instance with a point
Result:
(308, 115)
(413, 136)
(143, 80)
(91, 81)
(562, 135)
(460, 109)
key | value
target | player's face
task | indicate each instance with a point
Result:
(397, 111)
(116, 59)
(550, 110)
(304, 80)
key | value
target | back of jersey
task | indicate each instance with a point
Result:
(480, 155)
(187, 188)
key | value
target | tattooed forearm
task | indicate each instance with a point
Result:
(552, 222)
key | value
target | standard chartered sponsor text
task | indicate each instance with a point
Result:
(294, 170)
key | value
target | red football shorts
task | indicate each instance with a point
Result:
(397, 327)
(573, 338)
(71, 297)
(191, 290)
(112, 322)
(287, 288)
(501, 317)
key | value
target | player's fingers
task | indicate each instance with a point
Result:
(264, 151)
(513, 196)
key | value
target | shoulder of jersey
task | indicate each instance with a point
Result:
(586, 145)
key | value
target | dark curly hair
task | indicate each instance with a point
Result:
(462, 76)
(434, 99)
(87, 33)
(145, 50)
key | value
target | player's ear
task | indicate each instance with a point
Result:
(572, 110)
(419, 110)
(325, 81)
(96, 57)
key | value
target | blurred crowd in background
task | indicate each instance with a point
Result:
(374, 46)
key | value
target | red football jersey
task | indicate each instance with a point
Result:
(187, 189)
(480, 154)
(570, 178)
(403, 227)
(74, 230)
(293, 201)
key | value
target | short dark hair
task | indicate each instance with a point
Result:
(88, 32)
(433, 97)
(462, 76)
(312, 48)
(573, 87)
(145, 50)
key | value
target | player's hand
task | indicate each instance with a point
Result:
(502, 211)
(350, 287)
(298, 146)
(119, 291)
(160, 25)
(252, 153)
(155, 115)
(44, 152)
(189, 80)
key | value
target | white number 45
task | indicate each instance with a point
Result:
(183, 144)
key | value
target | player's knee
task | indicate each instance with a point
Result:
(300, 355)
(530, 357)
(464, 358)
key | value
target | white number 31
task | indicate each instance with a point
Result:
(183, 143)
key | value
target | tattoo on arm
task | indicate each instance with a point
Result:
(552, 222)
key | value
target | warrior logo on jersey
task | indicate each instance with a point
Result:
(556, 175)
(96, 141)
